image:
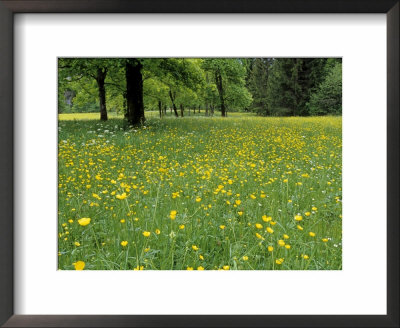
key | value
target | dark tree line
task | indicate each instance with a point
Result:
(295, 86)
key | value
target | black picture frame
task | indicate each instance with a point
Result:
(10, 7)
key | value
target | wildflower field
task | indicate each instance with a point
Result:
(200, 193)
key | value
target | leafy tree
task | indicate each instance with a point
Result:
(74, 69)
(229, 74)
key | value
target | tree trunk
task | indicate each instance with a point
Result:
(165, 109)
(100, 78)
(189, 110)
(218, 80)
(182, 109)
(125, 106)
(160, 108)
(134, 92)
(173, 103)
(206, 109)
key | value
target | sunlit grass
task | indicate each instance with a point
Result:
(197, 192)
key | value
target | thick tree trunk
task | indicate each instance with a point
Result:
(100, 78)
(218, 80)
(134, 92)
(182, 109)
(173, 103)
(160, 108)
(165, 109)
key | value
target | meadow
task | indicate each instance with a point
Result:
(200, 193)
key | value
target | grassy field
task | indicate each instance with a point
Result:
(200, 193)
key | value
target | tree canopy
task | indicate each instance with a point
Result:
(265, 86)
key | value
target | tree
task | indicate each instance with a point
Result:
(293, 81)
(258, 85)
(155, 94)
(179, 75)
(328, 97)
(74, 69)
(134, 91)
(228, 74)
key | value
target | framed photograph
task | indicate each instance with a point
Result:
(253, 141)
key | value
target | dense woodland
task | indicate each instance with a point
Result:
(209, 86)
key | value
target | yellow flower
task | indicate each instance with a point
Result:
(122, 196)
(96, 196)
(325, 240)
(139, 268)
(195, 248)
(228, 202)
(270, 230)
(238, 201)
(245, 258)
(299, 227)
(201, 257)
(84, 221)
(314, 208)
(285, 180)
(306, 257)
(200, 268)
(252, 196)
(273, 223)
(259, 226)
(287, 246)
(122, 220)
(285, 236)
(222, 227)
(146, 233)
(124, 243)
(70, 221)
(266, 218)
(281, 243)
(172, 215)
(189, 268)
(158, 231)
(307, 213)
(259, 236)
(298, 218)
(182, 226)
(146, 249)
(79, 265)
(226, 267)
(279, 261)
(240, 213)
(270, 248)
(77, 244)
(198, 199)
(312, 234)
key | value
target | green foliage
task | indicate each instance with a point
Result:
(233, 84)
(328, 98)
(266, 86)
(258, 85)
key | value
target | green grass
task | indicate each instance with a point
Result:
(222, 176)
